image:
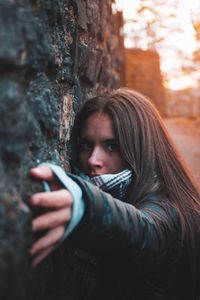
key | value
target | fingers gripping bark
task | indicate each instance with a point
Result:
(41, 256)
(59, 203)
(48, 240)
(60, 200)
(53, 199)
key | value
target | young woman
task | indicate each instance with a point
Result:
(137, 210)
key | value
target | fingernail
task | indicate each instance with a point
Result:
(31, 251)
(34, 200)
(33, 227)
(38, 169)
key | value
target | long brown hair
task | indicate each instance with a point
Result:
(149, 151)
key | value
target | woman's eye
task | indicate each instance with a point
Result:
(112, 146)
(85, 146)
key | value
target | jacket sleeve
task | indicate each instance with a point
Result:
(114, 229)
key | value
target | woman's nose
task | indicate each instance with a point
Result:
(95, 159)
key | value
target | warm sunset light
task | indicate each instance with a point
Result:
(182, 82)
(181, 40)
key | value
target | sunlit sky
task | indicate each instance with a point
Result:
(185, 40)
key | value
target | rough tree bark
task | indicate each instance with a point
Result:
(53, 54)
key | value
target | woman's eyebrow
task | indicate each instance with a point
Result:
(111, 140)
(80, 139)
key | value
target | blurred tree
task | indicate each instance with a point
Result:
(152, 22)
(153, 25)
(191, 66)
(195, 19)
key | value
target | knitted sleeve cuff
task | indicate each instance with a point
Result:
(76, 192)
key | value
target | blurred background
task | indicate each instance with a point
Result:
(162, 60)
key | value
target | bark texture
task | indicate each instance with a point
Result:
(53, 54)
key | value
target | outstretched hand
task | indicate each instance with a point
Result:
(59, 201)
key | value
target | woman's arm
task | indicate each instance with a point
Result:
(114, 229)
(109, 228)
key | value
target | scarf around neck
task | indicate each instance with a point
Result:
(115, 184)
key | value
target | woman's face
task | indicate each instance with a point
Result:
(99, 149)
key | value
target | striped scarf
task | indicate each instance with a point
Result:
(115, 184)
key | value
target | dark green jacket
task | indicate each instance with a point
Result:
(121, 252)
